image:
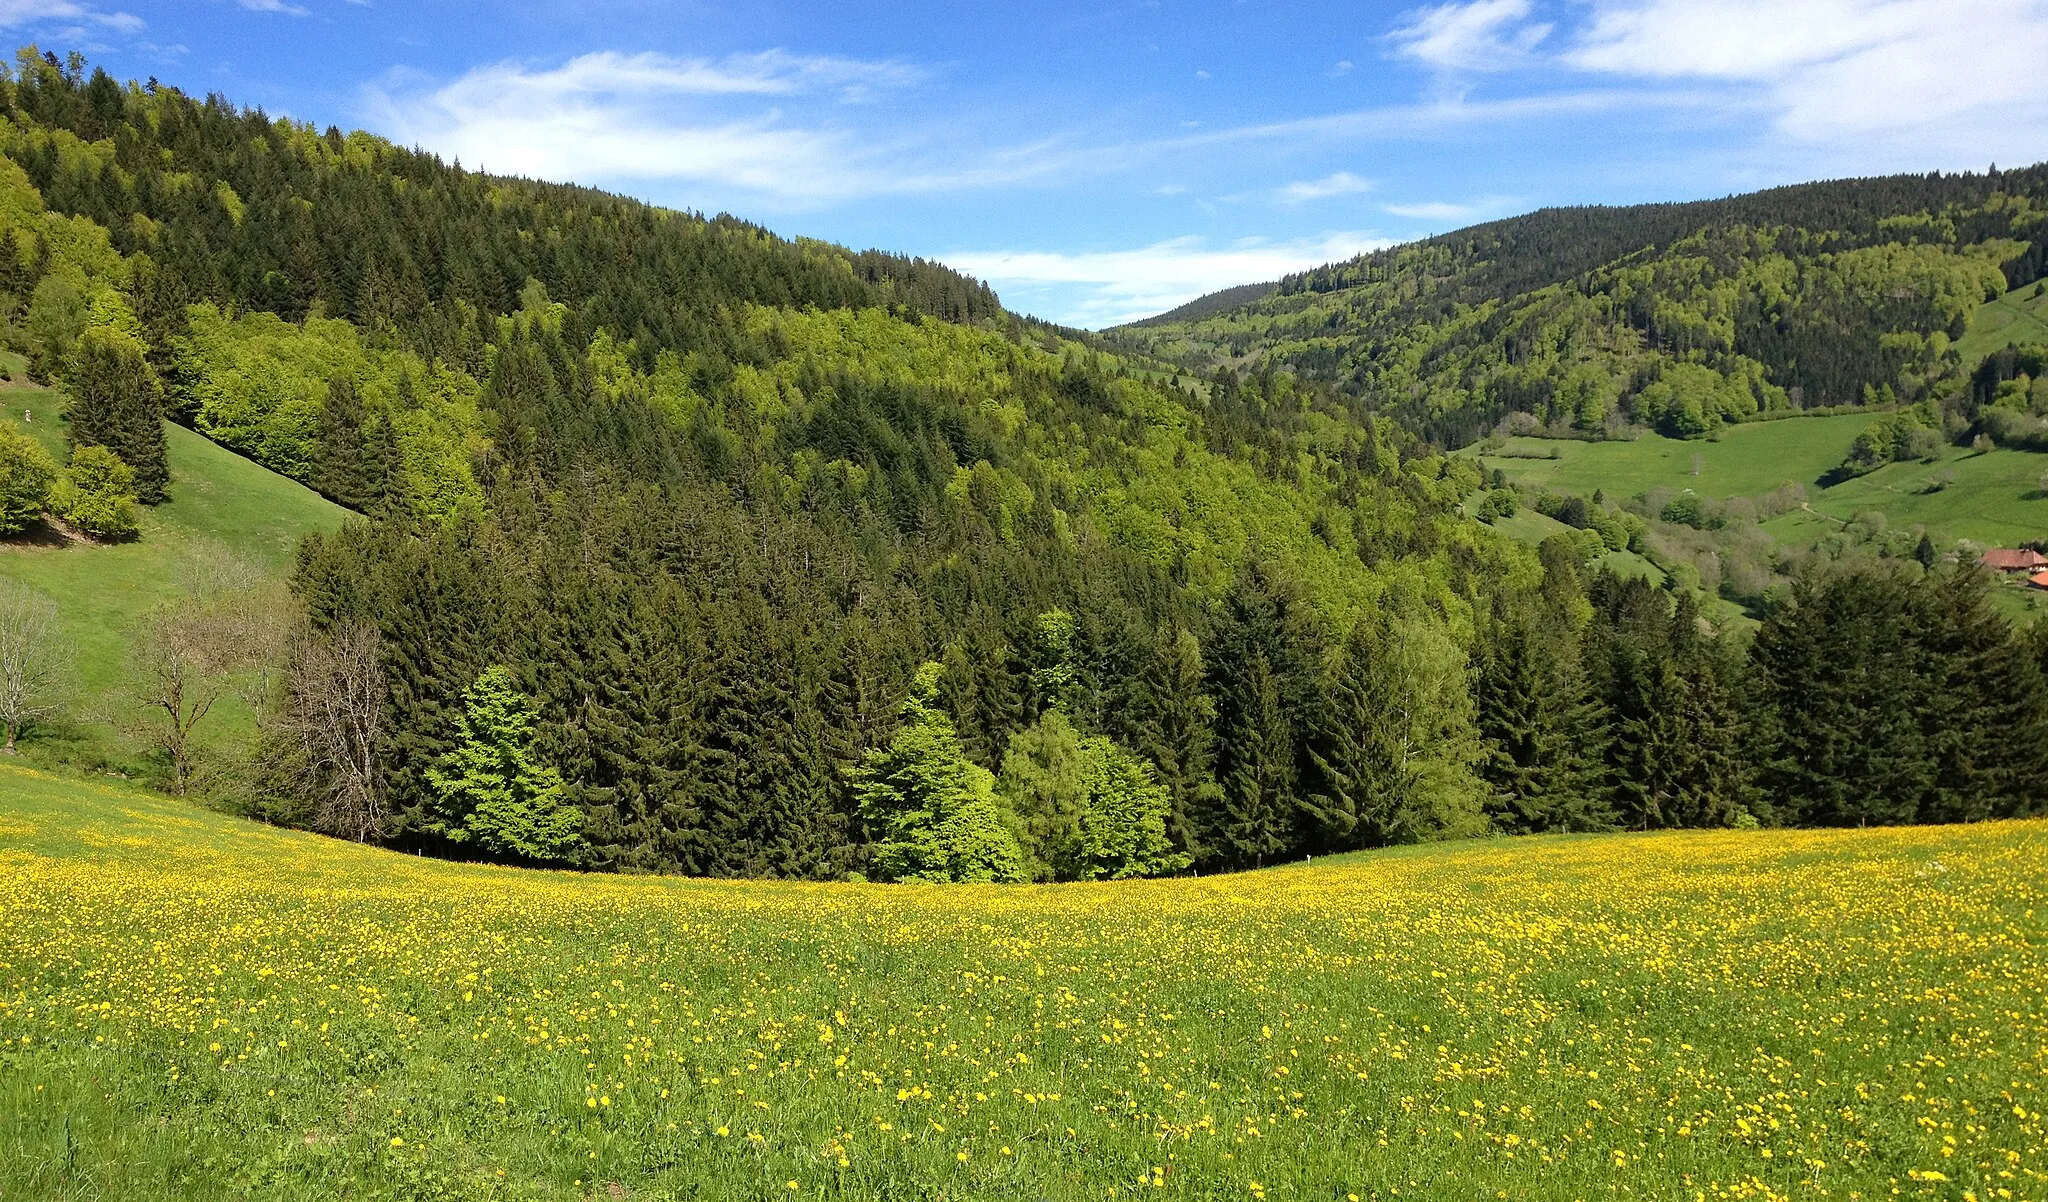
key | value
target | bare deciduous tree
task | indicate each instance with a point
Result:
(332, 704)
(33, 659)
(192, 653)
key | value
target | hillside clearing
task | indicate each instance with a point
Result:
(2019, 318)
(1990, 497)
(225, 514)
(198, 1005)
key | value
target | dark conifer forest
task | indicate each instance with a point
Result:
(679, 546)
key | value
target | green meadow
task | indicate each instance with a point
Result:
(2019, 317)
(1990, 497)
(226, 516)
(203, 1008)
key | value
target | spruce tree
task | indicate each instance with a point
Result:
(117, 403)
(1985, 721)
(340, 464)
(1265, 676)
(1542, 729)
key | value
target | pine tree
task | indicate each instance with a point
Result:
(1252, 821)
(1541, 728)
(1985, 722)
(1265, 677)
(341, 467)
(1176, 715)
(1839, 695)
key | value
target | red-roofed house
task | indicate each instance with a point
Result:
(2014, 561)
(2039, 580)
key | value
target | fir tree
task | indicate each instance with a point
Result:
(117, 403)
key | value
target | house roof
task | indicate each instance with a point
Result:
(2038, 580)
(2013, 561)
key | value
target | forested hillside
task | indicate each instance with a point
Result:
(682, 547)
(1679, 317)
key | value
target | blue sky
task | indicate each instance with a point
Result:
(1099, 162)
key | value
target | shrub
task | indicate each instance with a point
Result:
(97, 494)
(26, 474)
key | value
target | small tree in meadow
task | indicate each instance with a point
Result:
(33, 659)
(492, 792)
(26, 473)
(97, 495)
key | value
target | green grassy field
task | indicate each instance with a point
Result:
(2019, 317)
(224, 510)
(1995, 497)
(196, 1007)
(1531, 527)
(1745, 461)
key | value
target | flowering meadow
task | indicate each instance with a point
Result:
(196, 1007)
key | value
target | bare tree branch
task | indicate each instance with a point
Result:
(330, 714)
(34, 659)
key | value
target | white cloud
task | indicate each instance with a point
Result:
(1453, 212)
(1105, 288)
(1343, 183)
(34, 12)
(725, 123)
(1473, 35)
(1880, 83)
(273, 6)
(1434, 210)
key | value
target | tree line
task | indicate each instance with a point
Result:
(683, 548)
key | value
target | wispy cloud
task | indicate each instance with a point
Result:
(1876, 78)
(1453, 211)
(1343, 183)
(1478, 35)
(273, 6)
(1096, 289)
(770, 124)
(15, 13)
(1852, 84)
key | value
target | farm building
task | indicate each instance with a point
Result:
(2028, 561)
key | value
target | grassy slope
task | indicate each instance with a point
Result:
(222, 508)
(1996, 498)
(1745, 461)
(204, 1008)
(2017, 318)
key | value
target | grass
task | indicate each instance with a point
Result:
(197, 1007)
(1745, 461)
(1995, 497)
(222, 507)
(2020, 317)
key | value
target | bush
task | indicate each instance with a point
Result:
(97, 494)
(1499, 503)
(26, 474)
(1686, 509)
